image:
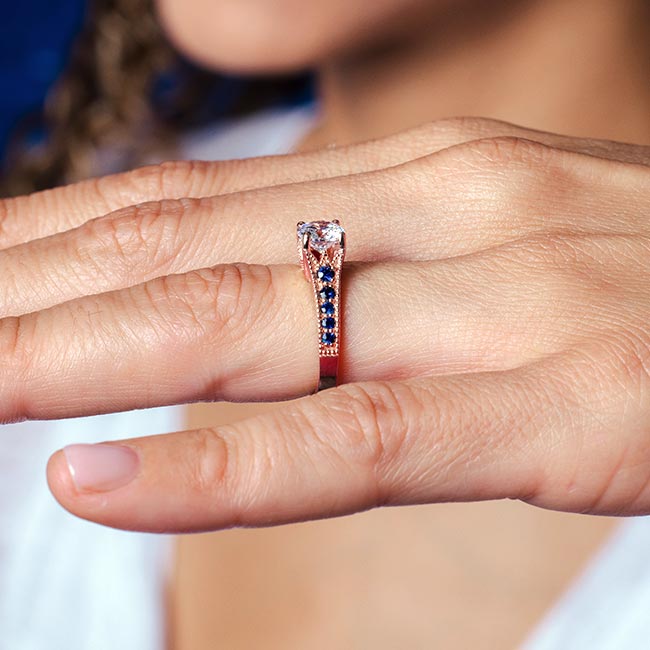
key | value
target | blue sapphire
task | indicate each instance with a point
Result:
(328, 338)
(325, 273)
(328, 323)
(327, 308)
(327, 293)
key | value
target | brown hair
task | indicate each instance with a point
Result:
(100, 104)
(101, 117)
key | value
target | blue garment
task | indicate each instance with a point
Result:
(35, 41)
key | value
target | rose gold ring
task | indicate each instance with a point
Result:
(321, 247)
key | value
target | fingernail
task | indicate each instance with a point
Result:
(101, 467)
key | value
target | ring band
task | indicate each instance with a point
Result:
(321, 248)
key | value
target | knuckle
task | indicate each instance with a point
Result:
(12, 339)
(508, 151)
(143, 238)
(119, 233)
(176, 179)
(164, 179)
(508, 176)
(528, 170)
(224, 299)
(17, 350)
(155, 182)
(210, 460)
(103, 191)
(514, 167)
(247, 293)
(373, 424)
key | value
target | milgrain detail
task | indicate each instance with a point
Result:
(321, 248)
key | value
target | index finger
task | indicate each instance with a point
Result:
(46, 213)
(49, 212)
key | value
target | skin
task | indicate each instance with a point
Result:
(530, 263)
(283, 35)
(388, 65)
(554, 307)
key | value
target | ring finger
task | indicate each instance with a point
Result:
(248, 332)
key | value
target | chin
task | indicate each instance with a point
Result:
(278, 36)
(243, 37)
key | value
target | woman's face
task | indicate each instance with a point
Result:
(280, 35)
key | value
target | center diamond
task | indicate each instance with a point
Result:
(323, 235)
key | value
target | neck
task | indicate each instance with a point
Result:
(567, 66)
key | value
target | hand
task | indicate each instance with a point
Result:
(496, 328)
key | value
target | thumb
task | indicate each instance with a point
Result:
(525, 433)
(343, 450)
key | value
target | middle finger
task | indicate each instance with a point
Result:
(458, 201)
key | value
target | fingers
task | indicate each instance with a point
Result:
(456, 202)
(456, 131)
(557, 434)
(42, 214)
(248, 332)
(45, 213)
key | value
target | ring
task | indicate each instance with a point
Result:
(321, 248)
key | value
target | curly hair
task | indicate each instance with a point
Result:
(121, 102)
(100, 106)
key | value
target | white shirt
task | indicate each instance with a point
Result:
(608, 606)
(67, 583)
